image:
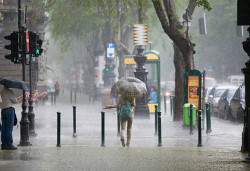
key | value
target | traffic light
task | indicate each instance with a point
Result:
(106, 69)
(13, 47)
(35, 44)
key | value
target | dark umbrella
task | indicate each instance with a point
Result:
(14, 83)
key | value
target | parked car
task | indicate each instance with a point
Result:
(224, 102)
(237, 105)
(214, 97)
(236, 80)
(210, 82)
(207, 91)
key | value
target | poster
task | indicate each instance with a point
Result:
(193, 85)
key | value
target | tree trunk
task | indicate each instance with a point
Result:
(179, 82)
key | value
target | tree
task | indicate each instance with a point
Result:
(183, 47)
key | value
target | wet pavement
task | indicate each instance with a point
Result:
(220, 150)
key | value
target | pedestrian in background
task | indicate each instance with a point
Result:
(57, 89)
(127, 107)
(153, 95)
(7, 117)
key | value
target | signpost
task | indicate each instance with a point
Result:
(110, 50)
(109, 66)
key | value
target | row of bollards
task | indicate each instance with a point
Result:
(157, 125)
(199, 122)
(59, 126)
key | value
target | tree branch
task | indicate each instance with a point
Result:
(161, 15)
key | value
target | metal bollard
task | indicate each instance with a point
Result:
(58, 129)
(165, 104)
(191, 118)
(156, 120)
(103, 129)
(208, 118)
(199, 129)
(159, 129)
(74, 122)
(118, 123)
(55, 99)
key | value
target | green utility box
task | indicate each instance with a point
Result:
(186, 112)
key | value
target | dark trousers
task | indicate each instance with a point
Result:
(7, 127)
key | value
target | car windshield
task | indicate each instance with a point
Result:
(219, 92)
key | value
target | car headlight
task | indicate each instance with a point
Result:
(167, 94)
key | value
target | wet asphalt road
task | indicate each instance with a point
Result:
(220, 150)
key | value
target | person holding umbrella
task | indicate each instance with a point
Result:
(7, 115)
(129, 88)
(126, 116)
(8, 111)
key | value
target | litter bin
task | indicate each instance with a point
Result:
(186, 112)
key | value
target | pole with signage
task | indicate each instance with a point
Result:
(140, 39)
(109, 74)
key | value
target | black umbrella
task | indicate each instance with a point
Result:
(14, 83)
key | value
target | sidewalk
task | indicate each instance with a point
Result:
(220, 150)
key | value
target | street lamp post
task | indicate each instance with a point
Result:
(141, 108)
(31, 114)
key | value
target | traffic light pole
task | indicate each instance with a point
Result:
(24, 123)
(31, 114)
(109, 73)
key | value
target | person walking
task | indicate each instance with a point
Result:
(7, 117)
(57, 89)
(127, 107)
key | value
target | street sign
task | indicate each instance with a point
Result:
(110, 50)
(140, 34)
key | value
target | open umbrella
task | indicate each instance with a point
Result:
(131, 87)
(14, 83)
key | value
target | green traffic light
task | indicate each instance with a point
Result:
(107, 69)
(37, 52)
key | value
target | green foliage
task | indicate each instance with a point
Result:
(221, 48)
(205, 4)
